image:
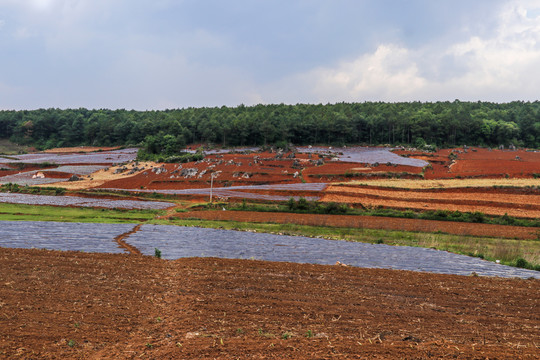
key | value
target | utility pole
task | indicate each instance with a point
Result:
(211, 185)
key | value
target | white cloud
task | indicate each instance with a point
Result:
(503, 66)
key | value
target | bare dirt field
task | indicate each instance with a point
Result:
(369, 222)
(493, 201)
(447, 183)
(80, 149)
(93, 306)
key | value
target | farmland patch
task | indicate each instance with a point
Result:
(15, 198)
(178, 242)
(85, 237)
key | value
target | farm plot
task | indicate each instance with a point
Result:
(105, 157)
(78, 169)
(62, 236)
(365, 155)
(479, 163)
(447, 183)
(179, 242)
(277, 192)
(225, 170)
(369, 222)
(80, 149)
(488, 167)
(15, 198)
(49, 176)
(30, 178)
(488, 201)
(346, 170)
(92, 306)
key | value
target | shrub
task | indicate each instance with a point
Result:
(507, 220)
(521, 263)
(302, 204)
(334, 208)
(291, 204)
(477, 217)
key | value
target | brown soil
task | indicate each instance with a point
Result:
(79, 149)
(369, 222)
(229, 170)
(104, 306)
(479, 162)
(460, 184)
(525, 203)
(347, 170)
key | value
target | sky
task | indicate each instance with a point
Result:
(164, 54)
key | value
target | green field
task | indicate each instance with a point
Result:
(68, 214)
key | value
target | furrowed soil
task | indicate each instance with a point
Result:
(369, 222)
(93, 306)
(522, 202)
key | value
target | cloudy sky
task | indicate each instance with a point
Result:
(158, 54)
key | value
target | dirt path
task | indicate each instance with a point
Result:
(94, 306)
(370, 222)
(124, 245)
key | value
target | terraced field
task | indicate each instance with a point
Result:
(494, 201)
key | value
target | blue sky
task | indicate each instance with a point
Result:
(159, 54)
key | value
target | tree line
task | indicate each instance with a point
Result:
(369, 123)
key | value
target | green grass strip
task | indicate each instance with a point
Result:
(22, 212)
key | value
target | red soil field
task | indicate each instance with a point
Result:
(230, 170)
(479, 162)
(486, 200)
(265, 168)
(268, 168)
(341, 168)
(58, 305)
(369, 222)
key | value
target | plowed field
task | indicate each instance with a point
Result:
(369, 222)
(94, 306)
(479, 162)
(514, 202)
